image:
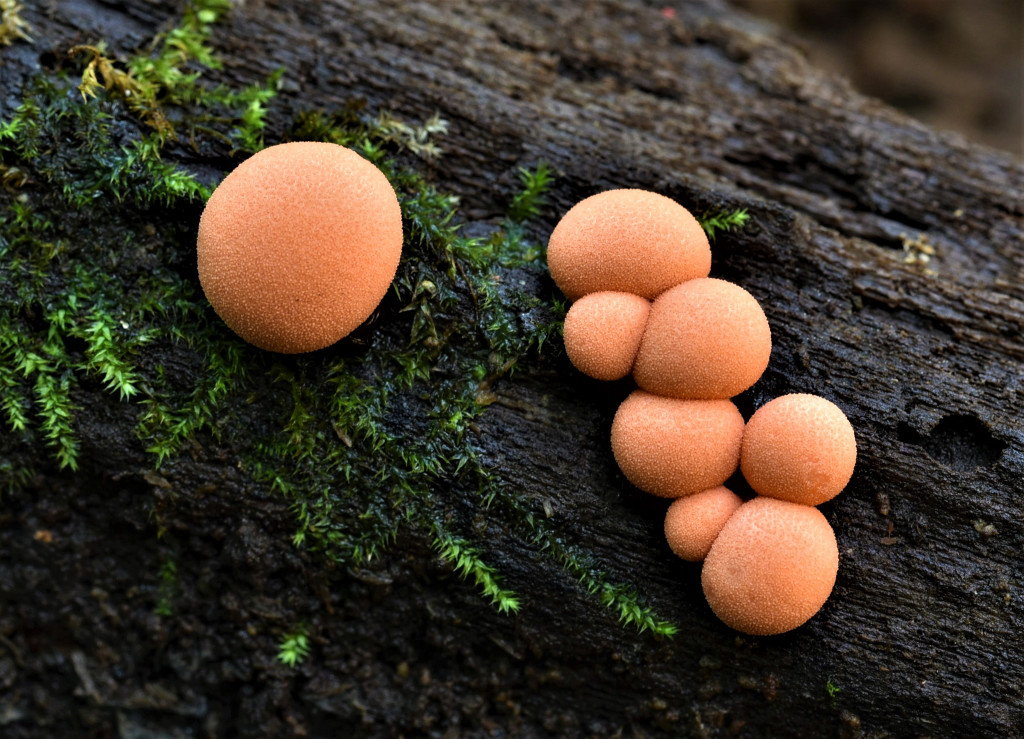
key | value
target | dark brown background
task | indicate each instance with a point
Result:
(954, 65)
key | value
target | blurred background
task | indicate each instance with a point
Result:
(953, 64)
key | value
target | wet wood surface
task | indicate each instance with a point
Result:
(923, 633)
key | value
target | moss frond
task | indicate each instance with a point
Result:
(12, 25)
(713, 223)
(107, 351)
(465, 560)
(294, 648)
(535, 183)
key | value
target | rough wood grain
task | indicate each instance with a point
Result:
(923, 632)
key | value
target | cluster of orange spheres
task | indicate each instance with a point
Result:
(636, 265)
(298, 245)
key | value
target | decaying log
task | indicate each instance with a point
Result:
(923, 633)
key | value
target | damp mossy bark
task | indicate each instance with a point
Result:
(372, 437)
(701, 107)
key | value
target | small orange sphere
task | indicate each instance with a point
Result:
(670, 447)
(771, 568)
(705, 339)
(693, 522)
(800, 448)
(630, 241)
(603, 332)
(298, 245)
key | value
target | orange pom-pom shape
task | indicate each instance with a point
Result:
(705, 339)
(298, 245)
(799, 448)
(603, 332)
(630, 241)
(670, 447)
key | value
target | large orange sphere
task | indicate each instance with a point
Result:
(630, 241)
(670, 447)
(799, 448)
(705, 339)
(298, 245)
(772, 566)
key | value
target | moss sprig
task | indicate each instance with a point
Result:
(713, 223)
(165, 76)
(43, 364)
(294, 647)
(12, 25)
(527, 202)
(466, 561)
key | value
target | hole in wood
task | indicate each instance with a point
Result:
(959, 440)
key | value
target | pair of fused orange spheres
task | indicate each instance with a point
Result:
(771, 563)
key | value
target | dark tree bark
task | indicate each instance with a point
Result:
(922, 634)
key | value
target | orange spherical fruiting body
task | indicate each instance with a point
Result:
(799, 448)
(772, 566)
(693, 522)
(298, 245)
(603, 331)
(670, 447)
(705, 339)
(630, 241)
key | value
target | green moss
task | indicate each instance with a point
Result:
(161, 83)
(65, 314)
(712, 223)
(833, 691)
(65, 285)
(69, 146)
(294, 647)
(527, 202)
(171, 418)
(13, 477)
(37, 367)
(465, 560)
(167, 589)
(12, 25)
